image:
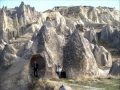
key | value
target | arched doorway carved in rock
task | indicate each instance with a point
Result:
(41, 65)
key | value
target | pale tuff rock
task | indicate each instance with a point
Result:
(57, 21)
(91, 14)
(8, 55)
(3, 26)
(47, 44)
(91, 36)
(71, 24)
(47, 40)
(25, 51)
(29, 44)
(32, 28)
(50, 35)
(15, 21)
(78, 57)
(2, 44)
(28, 14)
(102, 56)
(59, 36)
(3, 20)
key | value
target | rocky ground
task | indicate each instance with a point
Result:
(83, 40)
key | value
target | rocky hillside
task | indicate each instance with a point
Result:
(80, 39)
(89, 14)
(14, 22)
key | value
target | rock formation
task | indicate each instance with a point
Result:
(14, 21)
(106, 33)
(62, 36)
(91, 36)
(16, 77)
(47, 44)
(102, 56)
(88, 14)
(2, 45)
(111, 36)
(116, 38)
(8, 55)
(78, 57)
(115, 69)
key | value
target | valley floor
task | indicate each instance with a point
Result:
(87, 84)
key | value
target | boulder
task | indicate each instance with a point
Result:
(78, 57)
(102, 56)
(115, 69)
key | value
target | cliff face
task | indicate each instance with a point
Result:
(88, 14)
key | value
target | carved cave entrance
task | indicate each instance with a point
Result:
(41, 65)
(61, 74)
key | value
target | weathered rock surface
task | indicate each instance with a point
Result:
(2, 45)
(90, 14)
(47, 44)
(51, 38)
(111, 36)
(102, 56)
(16, 77)
(106, 33)
(115, 69)
(25, 51)
(78, 57)
(91, 36)
(116, 38)
(17, 21)
(8, 55)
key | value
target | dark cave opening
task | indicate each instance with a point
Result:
(62, 74)
(41, 65)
